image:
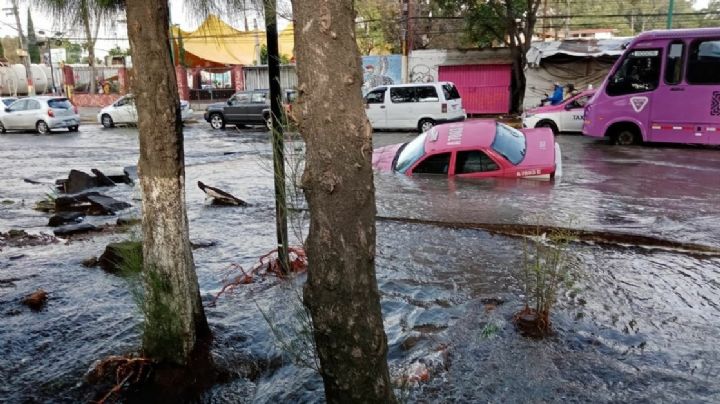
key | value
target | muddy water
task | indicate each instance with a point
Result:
(638, 325)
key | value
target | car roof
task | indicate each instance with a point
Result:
(474, 133)
(432, 83)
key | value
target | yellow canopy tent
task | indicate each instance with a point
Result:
(215, 43)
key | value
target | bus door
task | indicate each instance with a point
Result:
(701, 104)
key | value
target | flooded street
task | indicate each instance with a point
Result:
(639, 324)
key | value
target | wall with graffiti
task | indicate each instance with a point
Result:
(423, 64)
(381, 70)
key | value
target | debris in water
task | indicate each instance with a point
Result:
(20, 238)
(123, 371)
(73, 229)
(267, 264)
(36, 300)
(122, 255)
(90, 262)
(533, 324)
(62, 218)
(220, 197)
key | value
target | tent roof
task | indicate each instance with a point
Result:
(576, 47)
(217, 42)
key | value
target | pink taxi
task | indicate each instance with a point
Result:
(474, 149)
(564, 117)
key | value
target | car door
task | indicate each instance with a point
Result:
(375, 108)
(571, 119)
(124, 110)
(434, 164)
(12, 116)
(259, 102)
(31, 115)
(233, 111)
(400, 108)
(476, 164)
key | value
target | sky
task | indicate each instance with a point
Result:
(116, 33)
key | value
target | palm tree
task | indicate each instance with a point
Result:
(92, 14)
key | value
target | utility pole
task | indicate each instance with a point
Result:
(22, 51)
(405, 9)
(277, 132)
(567, 19)
(544, 26)
(671, 6)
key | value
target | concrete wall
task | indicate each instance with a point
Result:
(423, 64)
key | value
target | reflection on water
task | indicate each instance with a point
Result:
(638, 327)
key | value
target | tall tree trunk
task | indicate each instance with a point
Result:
(341, 291)
(90, 41)
(175, 322)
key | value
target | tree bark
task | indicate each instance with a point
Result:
(341, 291)
(175, 322)
(85, 13)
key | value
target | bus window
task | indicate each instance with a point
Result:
(704, 62)
(674, 63)
(638, 73)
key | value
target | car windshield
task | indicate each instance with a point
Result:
(8, 101)
(509, 143)
(60, 103)
(410, 153)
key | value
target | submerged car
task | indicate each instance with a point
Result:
(474, 149)
(123, 111)
(42, 114)
(564, 117)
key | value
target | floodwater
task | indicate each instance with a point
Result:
(638, 324)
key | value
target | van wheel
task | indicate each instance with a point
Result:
(42, 128)
(107, 121)
(625, 137)
(217, 121)
(548, 124)
(268, 122)
(73, 128)
(425, 125)
(2, 128)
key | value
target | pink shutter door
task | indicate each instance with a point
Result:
(485, 89)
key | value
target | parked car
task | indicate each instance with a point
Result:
(123, 111)
(416, 105)
(474, 149)
(246, 108)
(564, 117)
(7, 101)
(42, 114)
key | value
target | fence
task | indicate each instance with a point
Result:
(257, 77)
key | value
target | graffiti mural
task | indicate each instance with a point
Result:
(381, 70)
(422, 74)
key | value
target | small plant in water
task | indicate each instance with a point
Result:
(546, 269)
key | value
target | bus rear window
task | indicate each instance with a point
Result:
(704, 62)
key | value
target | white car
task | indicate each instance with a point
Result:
(42, 114)
(410, 106)
(566, 116)
(123, 112)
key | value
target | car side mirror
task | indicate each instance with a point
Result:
(229, 102)
(8, 110)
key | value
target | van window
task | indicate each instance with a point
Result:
(435, 164)
(674, 63)
(450, 92)
(259, 97)
(32, 104)
(426, 94)
(704, 62)
(375, 97)
(402, 94)
(639, 72)
(474, 161)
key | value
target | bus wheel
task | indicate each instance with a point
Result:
(625, 137)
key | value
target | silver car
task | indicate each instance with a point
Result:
(42, 114)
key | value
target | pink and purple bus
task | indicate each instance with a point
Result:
(664, 88)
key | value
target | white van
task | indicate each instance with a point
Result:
(416, 105)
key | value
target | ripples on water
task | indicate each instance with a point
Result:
(641, 327)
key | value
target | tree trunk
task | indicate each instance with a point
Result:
(175, 323)
(85, 13)
(341, 291)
